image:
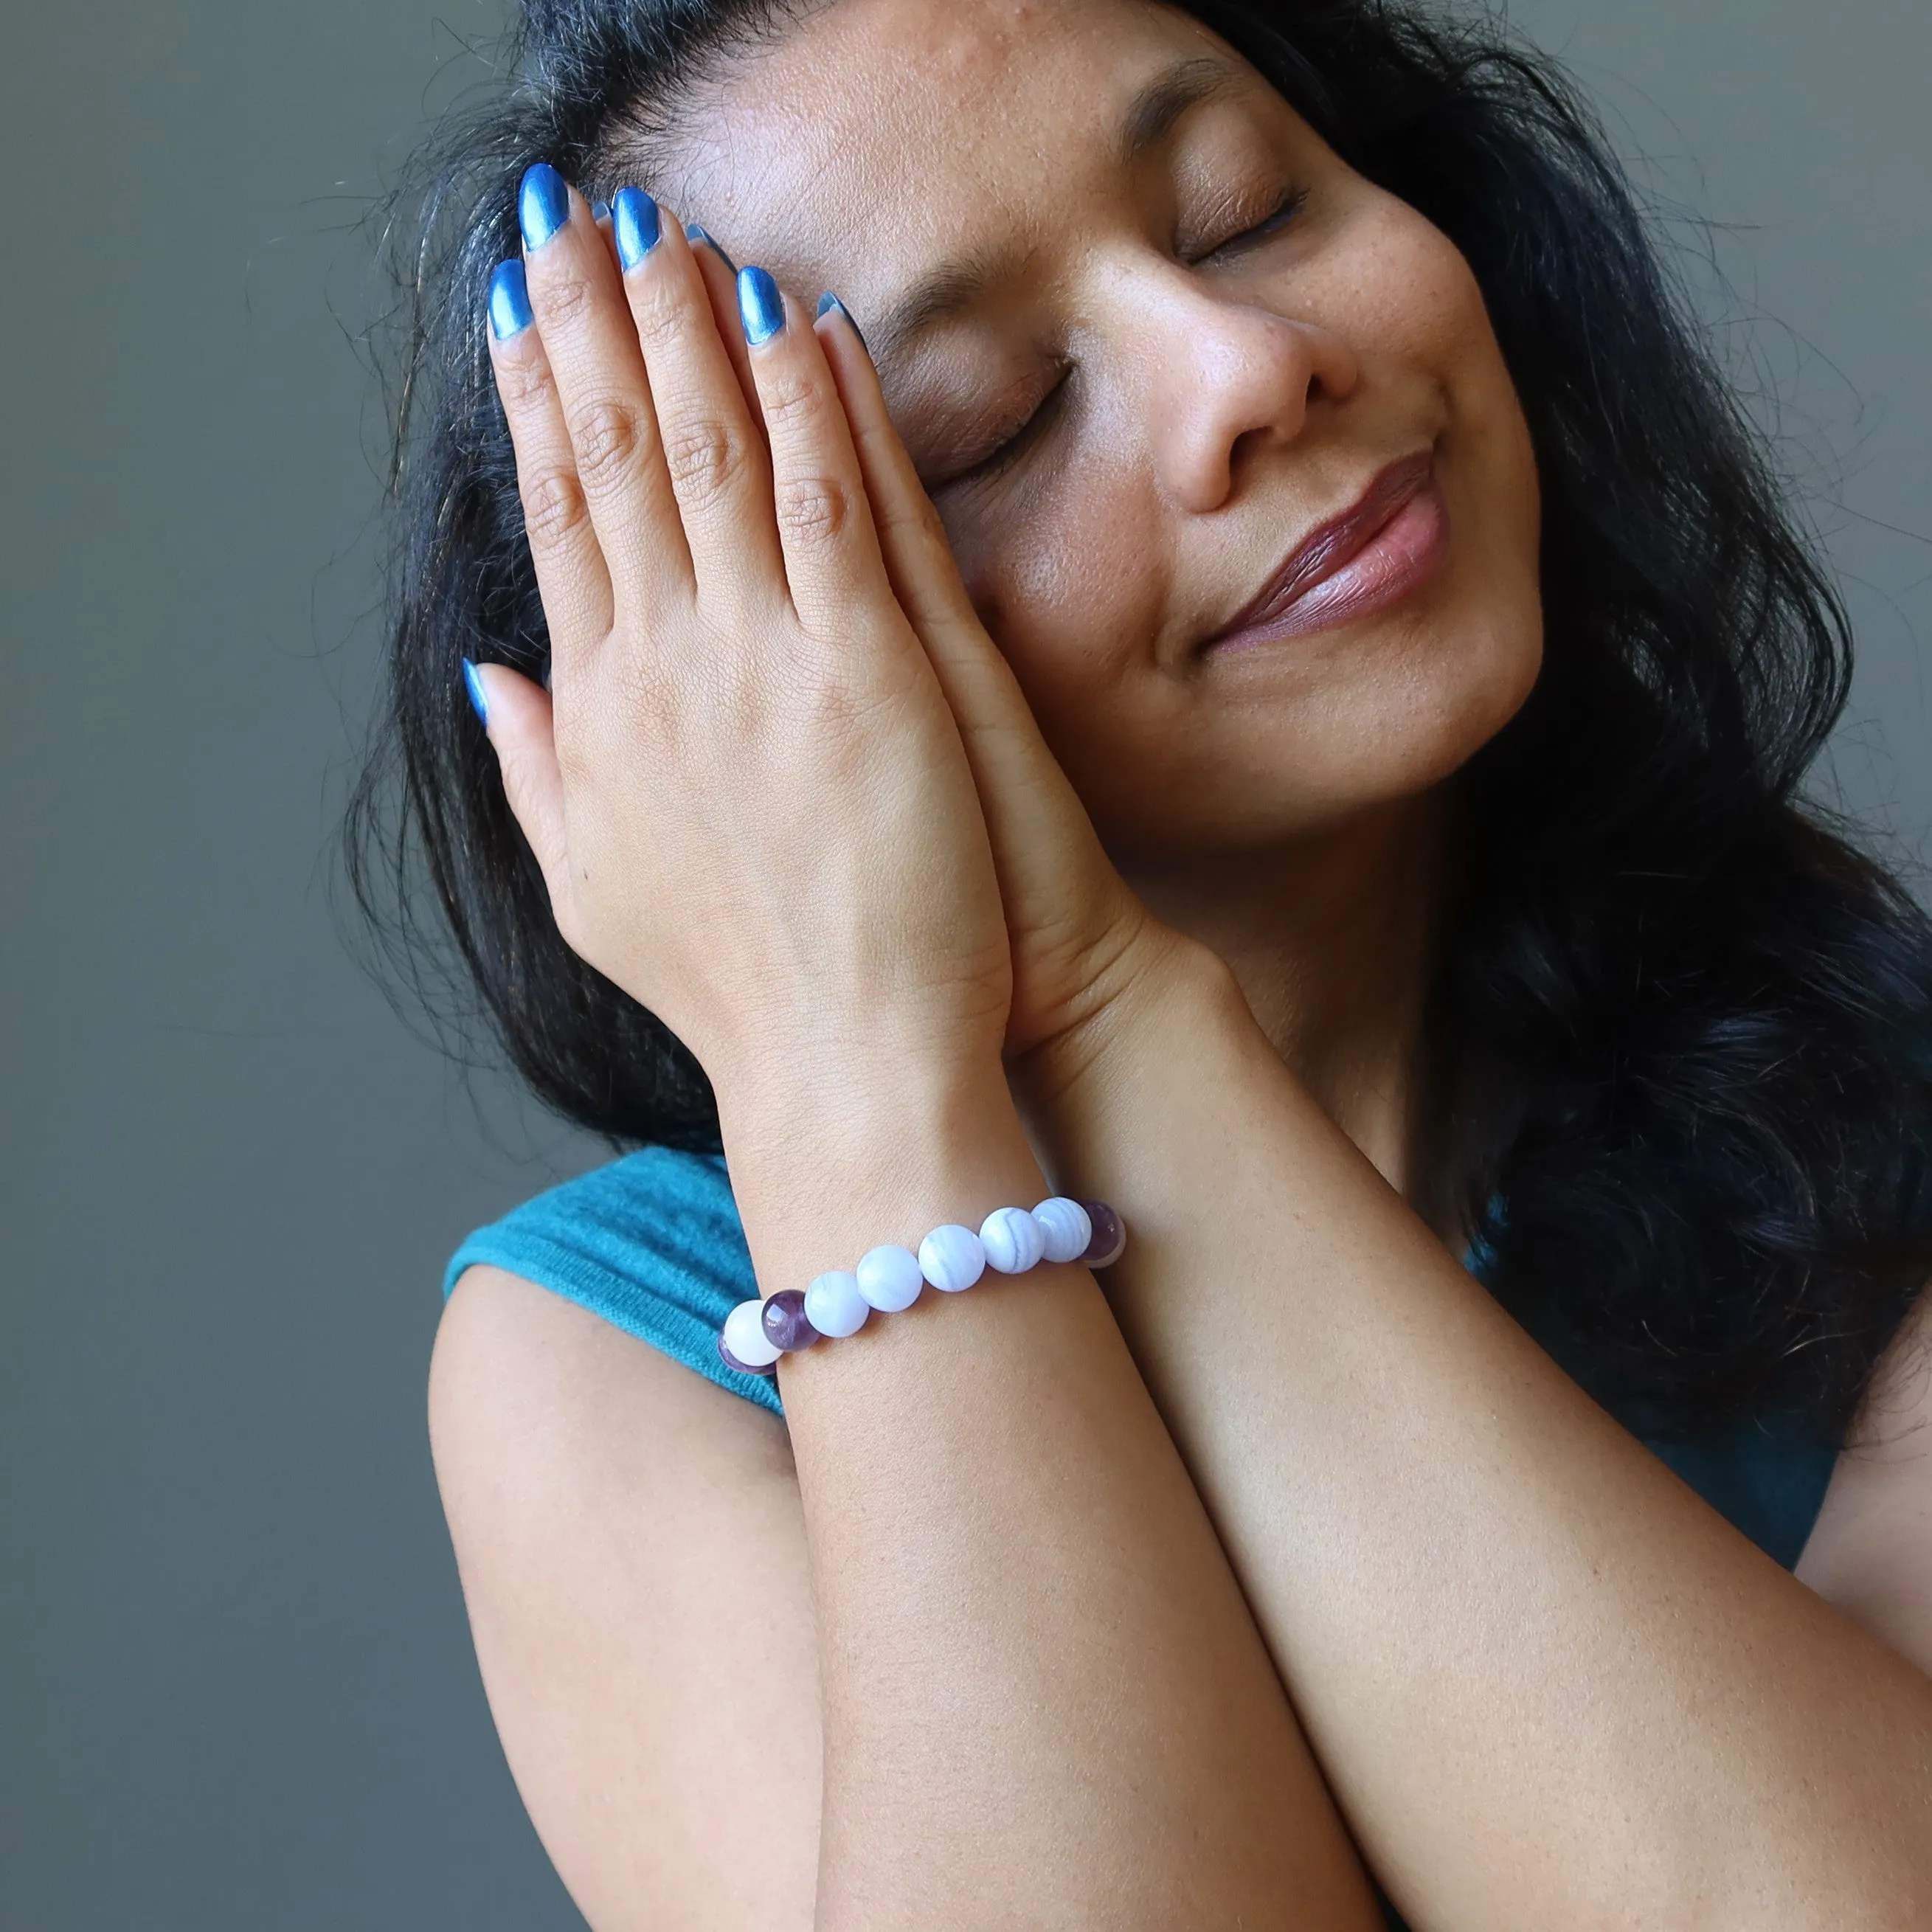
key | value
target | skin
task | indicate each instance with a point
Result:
(1048, 1609)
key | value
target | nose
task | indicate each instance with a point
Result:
(1230, 380)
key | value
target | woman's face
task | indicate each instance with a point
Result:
(1171, 371)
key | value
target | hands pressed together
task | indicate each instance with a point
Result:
(784, 789)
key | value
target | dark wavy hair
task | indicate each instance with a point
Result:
(1679, 1068)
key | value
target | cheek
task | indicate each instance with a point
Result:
(1072, 592)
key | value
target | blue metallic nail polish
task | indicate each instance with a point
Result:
(829, 305)
(479, 699)
(704, 238)
(634, 221)
(543, 205)
(509, 301)
(600, 210)
(761, 304)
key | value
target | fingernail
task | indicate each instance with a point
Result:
(761, 304)
(829, 303)
(543, 205)
(479, 699)
(634, 221)
(694, 233)
(509, 301)
(600, 210)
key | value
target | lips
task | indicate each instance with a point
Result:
(1376, 553)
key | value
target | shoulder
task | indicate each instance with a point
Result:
(1871, 1551)
(632, 1548)
(658, 1204)
(650, 1244)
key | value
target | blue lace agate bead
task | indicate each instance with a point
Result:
(1065, 1229)
(951, 1258)
(1013, 1239)
(744, 1342)
(835, 1306)
(889, 1279)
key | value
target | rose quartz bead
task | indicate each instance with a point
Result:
(785, 1321)
(1065, 1228)
(952, 1258)
(744, 1336)
(834, 1305)
(1013, 1240)
(1110, 1235)
(889, 1279)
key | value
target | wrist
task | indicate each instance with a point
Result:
(1173, 989)
(881, 1153)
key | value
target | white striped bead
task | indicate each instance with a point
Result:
(1066, 1228)
(744, 1336)
(834, 1305)
(952, 1258)
(1013, 1239)
(889, 1279)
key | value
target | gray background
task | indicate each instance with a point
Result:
(235, 1690)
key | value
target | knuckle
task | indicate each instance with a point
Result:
(791, 402)
(605, 437)
(566, 298)
(553, 511)
(705, 459)
(524, 382)
(660, 319)
(812, 507)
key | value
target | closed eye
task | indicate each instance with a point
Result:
(1282, 216)
(1013, 445)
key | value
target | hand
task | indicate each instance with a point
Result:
(750, 803)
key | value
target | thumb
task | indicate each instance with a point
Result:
(516, 714)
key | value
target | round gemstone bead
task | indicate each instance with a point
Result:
(731, 1362)
(1013, 1240)
(889, 1279)
(744, 1336)
(1065, 1229)
(835, 1306)
(952, 1258)
(785, 1322)
(1110, 1235)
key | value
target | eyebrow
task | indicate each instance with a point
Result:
(1151, 116)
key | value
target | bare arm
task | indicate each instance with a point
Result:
(1043, 1699)
(991, 1590)
(1548, 1684)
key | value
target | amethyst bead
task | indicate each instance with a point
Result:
(1110, 1235)
(786, 1323)
(731, 1362)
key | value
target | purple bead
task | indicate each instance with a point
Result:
(731, 1361)
(1110, 1237)
(787, 1325)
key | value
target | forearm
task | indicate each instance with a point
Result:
(1549, 1685)
(1044, 1699)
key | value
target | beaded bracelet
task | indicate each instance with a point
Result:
(1010, 1240)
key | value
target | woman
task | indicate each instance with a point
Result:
(1268, 689)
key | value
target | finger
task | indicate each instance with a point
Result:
(713, 451)
(571, 578)
(581, 315)
(979, 683)
(825, 529)
(1034, 817)
(517, 715)
(720, 284)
